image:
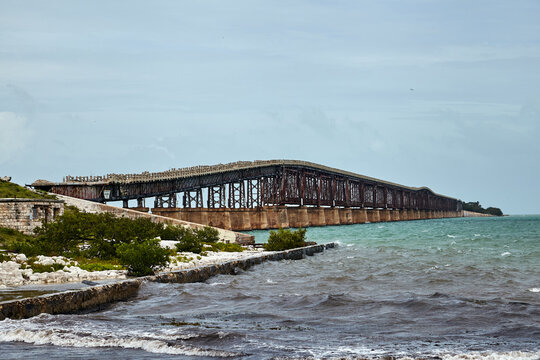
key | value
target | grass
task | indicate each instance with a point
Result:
(39, 268)
(98, 264)
(220, 246)
(12, 190)
(4, 257)
(10, 236)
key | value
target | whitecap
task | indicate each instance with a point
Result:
(492, 355)
(506, 253)
(534, 290)
(451, 236)
(217, 283)
(106, 339)
(269, 281)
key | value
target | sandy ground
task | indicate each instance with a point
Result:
(14, 273)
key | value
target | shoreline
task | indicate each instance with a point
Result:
(15, 273)
(100, 296)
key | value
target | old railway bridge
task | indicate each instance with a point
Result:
(262, 194)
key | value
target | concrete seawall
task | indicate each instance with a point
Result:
(72, 301)
(97, 297)
(475, 214)
(274, 217)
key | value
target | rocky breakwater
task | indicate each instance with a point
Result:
(97, 297)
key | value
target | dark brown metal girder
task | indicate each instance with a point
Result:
(267, 185)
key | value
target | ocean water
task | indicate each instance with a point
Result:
(466, 288)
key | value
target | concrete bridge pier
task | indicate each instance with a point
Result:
(359, 216)
(345, 216)
(273, 217)
(373, 215)
(331, 216)
(316, 216)
(403, 215)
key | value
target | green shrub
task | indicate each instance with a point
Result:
(188, 241)
(99, 233)
(172, 232)
(207, 234)
(64, 235)
(4, 257)
(285, 239)
(142, 258)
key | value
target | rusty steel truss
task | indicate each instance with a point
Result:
(252, 185)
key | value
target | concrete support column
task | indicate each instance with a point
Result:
(298, 217)
(359, 216)
(345, 216)
(316, 216)
(395, 215)
(273, 218)
(239, 219)
(331, 216)
(385, 215)
(220, 218)
(403, 215)
(259, 219)
(373, 215)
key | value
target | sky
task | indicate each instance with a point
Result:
(444, 94)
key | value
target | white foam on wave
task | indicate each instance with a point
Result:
(491, 355)
(534, 290)
(217, 283)
(154, 343)
(506, 253)
(451, 236)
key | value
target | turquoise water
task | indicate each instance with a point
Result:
(503, 253)
(466, 288)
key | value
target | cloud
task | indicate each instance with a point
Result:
(14, 135)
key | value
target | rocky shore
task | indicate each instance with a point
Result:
(18, 272)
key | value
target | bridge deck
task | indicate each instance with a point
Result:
(247, 184)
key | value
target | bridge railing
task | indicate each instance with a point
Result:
(172, 173)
